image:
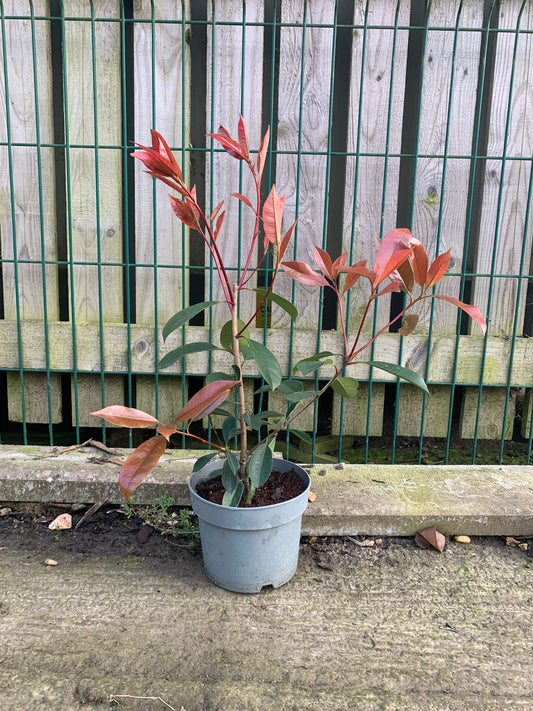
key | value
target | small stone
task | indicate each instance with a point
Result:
(5, 512)
(311, 497)
(50, 561)
(61, 523)
(379, 541)
(462, 539)
(340, 465)
(523, 546)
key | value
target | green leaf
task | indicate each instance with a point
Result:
(291, 386)
(202, 461)
(172, 356)
(314, 362)
(219, 375)
(296, 397)
(254, 422)
(229, 428)
(182, 317)
(269, 415)
(400, 372)
(287, 306)
(266, 362)
(233, 498)
(302, 435)
(229, 471)
(226, 334)
(345, 387)
(259, 466)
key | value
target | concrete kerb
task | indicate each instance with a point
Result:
(393, 500)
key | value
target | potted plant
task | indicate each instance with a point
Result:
(250, 510)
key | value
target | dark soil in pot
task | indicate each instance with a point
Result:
(281, 486)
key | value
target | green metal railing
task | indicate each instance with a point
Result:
(161, 63)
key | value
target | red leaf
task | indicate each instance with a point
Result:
(339, 263)
(243, 199)
(409, 322)
(126, 416)
(394, 241)
(430, 539)
(323, 262)
(438, 269)
(220, 222)
(167, 431)
(228, 144)
(243, 137)
(392, 265)
(419, 260)
(392, 287)
(472, 311)
(285, 241)
(159, 158)
(205, 400)
(405, 272)
(185, 212)
(261, 156)
(300, 271)
(216, 211)
(273, 216)
(140, 463)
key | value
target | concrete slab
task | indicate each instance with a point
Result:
(358, 499)
(391, 628)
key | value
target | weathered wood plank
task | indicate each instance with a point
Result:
(372, 179)
(161, 61)
(503, 233)
(414, 351)
(94, 174)
(355, 412)
(30, 286)
(491, 414)
(235, 87)
(446, 125)
(304, 88)
(527, 413)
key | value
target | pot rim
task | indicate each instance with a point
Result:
(247, 509)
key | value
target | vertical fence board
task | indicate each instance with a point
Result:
(377, 88)
(440, 200)
(374, 133)
(34, 236)
(505, 187)
(234, 86)
(491, 414)
(160, 239)
(94, 198)
(303, 112)
(527, 411)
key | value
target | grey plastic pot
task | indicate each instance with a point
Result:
(245, 549)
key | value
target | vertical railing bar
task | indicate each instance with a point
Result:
(411, 213)
(185, 234)
(41, 226)
(69, 226)
(154, 216)
(496, 235)
(439, 222)
(98, 216)
(354, 212)
(126, 210)
(297, 206)
(475, 144)
(383, 204)
(14, 228)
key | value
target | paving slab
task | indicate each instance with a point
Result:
(389, 500)
(388, 628)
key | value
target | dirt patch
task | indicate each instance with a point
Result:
(281, 486)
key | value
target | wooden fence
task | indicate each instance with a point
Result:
(383, 114)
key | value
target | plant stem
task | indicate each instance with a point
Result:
(240, 393)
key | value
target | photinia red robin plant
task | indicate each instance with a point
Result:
(401, 265)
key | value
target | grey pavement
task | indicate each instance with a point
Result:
(389, 627)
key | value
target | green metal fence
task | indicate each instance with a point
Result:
(383, 114)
